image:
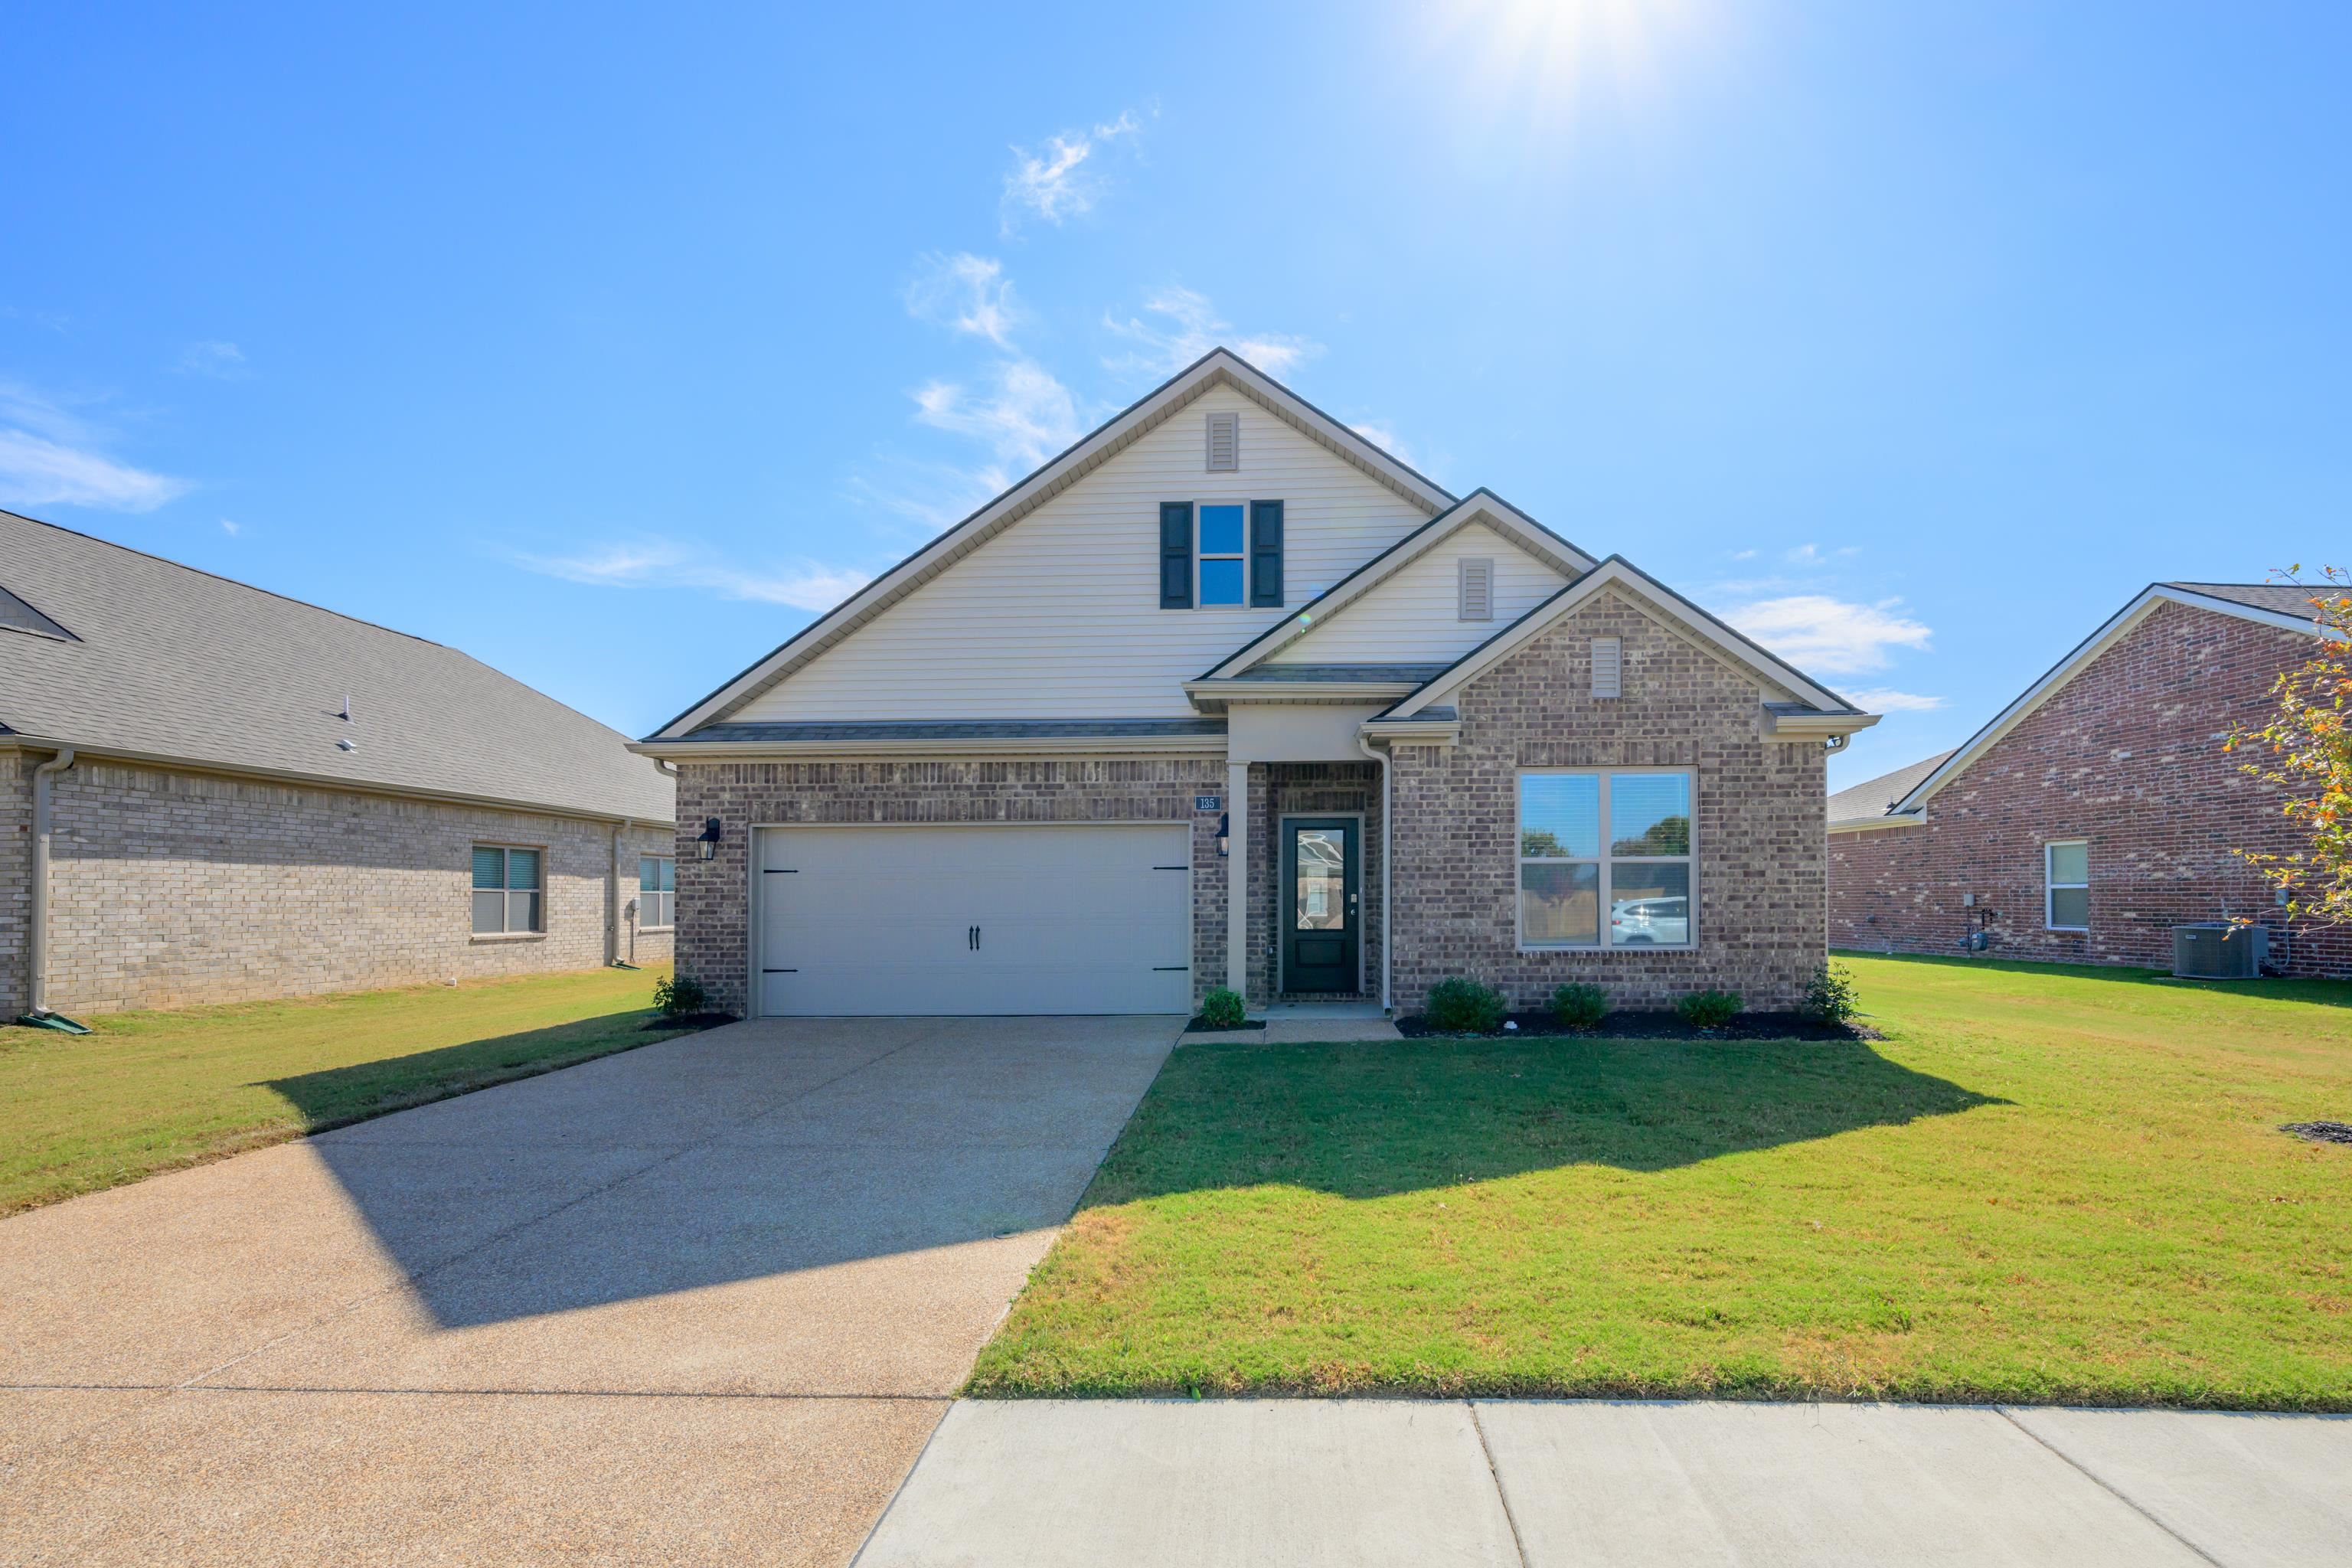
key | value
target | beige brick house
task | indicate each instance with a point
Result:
(1227, 695)
(209, 793)
(2099, 810)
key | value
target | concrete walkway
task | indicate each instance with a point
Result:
(1358, 1484)
(701, 1302)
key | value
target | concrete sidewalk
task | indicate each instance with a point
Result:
(1147, 1483)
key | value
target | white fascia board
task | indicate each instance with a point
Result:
(1208, 694)
(1413, 732)
(1479, 506)
(1618, 571)
(1218, 366)
(1811, 726)
(2114, 630)
(1872, 824)
(987, 746)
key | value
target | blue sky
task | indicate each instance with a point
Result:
(610, 345)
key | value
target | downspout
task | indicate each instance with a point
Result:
(36, 980)
(1388, 841)
(613, 901)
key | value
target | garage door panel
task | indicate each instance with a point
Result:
(1069, 919)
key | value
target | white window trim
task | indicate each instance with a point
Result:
(1518, 827)
(1201, 556)
(2051, 885)
(509, 934)
(670, 923)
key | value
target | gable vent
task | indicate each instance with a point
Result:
(1224, 443)
(1477, 590)
(1608, 668)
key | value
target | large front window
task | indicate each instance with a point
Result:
(1605, 859)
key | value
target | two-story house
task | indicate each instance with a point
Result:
(1227, 695)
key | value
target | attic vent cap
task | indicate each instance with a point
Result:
(1224, 443)
(1608, 667)
(1477, 598)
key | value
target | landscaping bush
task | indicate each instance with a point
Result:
(1709, 1009)
(682, 997)
(1579, 1006)
(1830, 997)
(1460, 1006)
(1223, 1008)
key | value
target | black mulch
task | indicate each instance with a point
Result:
(689, 1021)
(2321, 1132)
(1633, 1025)
(1201, 1025)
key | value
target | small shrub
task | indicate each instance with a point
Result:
(1709, 1009)
(1223, 1008)
(1460, 1006)
(681, 997)
(1829, 995)
(1579, 1006)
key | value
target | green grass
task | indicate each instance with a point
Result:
(153, 1091)
(2047, 1184)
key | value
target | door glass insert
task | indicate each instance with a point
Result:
(1320, 893)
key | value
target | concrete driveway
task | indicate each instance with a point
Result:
(699, 1302)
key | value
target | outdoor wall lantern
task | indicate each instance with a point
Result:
(1223, 820)
(706, 846)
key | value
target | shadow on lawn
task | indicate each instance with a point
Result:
(1362, 1122)
(2322, 993)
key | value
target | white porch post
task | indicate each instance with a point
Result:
(1237, 837)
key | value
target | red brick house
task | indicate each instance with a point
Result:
(2099, 810)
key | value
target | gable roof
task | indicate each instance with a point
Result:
(1218, 367)
(1705, 628)
(1481, 505)
(1872, 802)
(2284, 605)
(164, 663)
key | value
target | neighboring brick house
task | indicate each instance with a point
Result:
(2099, 810)
(240, 795)
(1224, 642)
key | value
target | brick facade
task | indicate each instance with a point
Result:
(1759, 878)
(170, 889)
(713, 898)
(2127, 756)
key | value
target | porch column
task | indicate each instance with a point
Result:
(1237, 896)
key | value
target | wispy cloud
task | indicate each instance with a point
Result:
(1829, 636)
(1021, 414)
(231, 529)
(1184, 326)
(49, 456)
(1884, 699)
(1064, 177)
(965, 293)
(657, 562)
(220, 360)
(1383, 437)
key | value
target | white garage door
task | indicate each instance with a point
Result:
(879, 921)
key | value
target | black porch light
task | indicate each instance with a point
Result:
(706, 846)
(1224, 821)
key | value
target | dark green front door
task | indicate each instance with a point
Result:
(1321, 935)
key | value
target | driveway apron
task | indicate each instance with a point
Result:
(703, 1302)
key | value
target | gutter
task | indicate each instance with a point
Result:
(1388, 878)
(988, 746)
(36, 946)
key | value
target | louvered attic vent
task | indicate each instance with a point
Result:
(1477, 590)
(1224, 443)
(1608, 668)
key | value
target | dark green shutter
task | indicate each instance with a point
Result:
(1266, 553)
(1176, 555)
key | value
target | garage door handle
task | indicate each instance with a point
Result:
(972, 939)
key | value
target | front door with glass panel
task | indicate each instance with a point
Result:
(1321, 937)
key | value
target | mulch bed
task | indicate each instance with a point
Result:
(689, 1021)
(1201, 1025)
(1636, 1025)
(2321, 1132)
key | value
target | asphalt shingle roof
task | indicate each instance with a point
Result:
(163, 660)
(1873, 796)
(961, 730)
(2293, 599)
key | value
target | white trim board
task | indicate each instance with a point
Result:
(2114, 630)
(1219, 367)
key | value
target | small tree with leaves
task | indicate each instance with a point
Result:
(2306, 753)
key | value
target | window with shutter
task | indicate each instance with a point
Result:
(1266, 554)
(1224, 443)
(1176, 555)
(1608, 668)
(1477, 590)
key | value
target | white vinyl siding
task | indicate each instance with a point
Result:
(1415, 617)
(1059, 615)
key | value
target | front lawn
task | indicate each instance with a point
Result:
(2046, 1184)
(151, 1091)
